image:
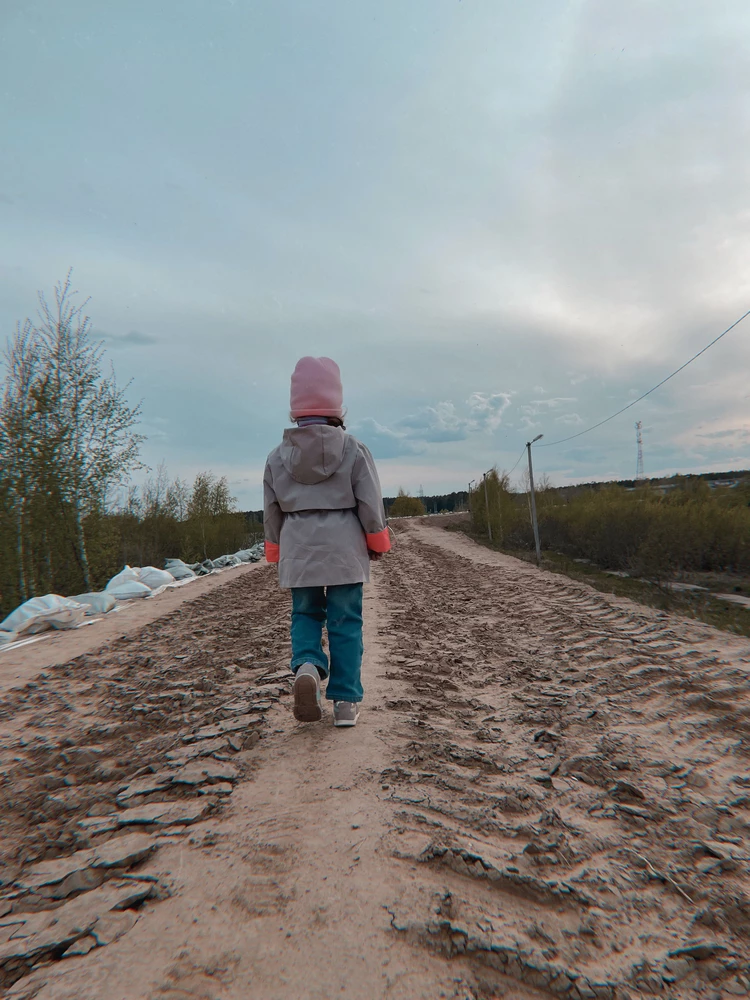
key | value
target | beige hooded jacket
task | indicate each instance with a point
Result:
(323, 508)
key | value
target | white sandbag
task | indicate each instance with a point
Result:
(41, 613)
(250, 555)
(179, 569)
(223, 562)
(202, 568)
(126, 575)
(127, 590)
(96, 604)
(154, 577)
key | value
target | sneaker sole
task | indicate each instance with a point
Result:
(306, 704)
(342, 723)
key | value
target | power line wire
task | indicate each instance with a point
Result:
(593, 427)
(517, 461)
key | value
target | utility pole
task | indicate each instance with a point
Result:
(533, 502)
(487, 506)
(639, 473)
(468, 496)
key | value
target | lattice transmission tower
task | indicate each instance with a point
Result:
(639, 473)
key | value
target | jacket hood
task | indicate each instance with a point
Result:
(312, 454)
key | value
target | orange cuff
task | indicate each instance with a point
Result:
(379, 542)
(272, 552)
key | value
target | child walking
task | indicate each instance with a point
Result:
(324, 522)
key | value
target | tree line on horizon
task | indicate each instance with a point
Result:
(643, 531)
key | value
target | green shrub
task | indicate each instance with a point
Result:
(690, 529)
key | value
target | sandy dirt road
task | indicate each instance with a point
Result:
(547, 795)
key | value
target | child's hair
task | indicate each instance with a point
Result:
(331, 421)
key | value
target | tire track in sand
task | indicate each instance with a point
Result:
(576, 781)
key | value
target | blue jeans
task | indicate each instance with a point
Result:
(340, 608)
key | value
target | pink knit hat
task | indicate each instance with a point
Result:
(316, 389)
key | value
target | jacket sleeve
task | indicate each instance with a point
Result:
(273, 517)
(370, 501)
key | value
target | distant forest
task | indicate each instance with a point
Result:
(457, 501)
(434, 505)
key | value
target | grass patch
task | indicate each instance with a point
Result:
(701, 605)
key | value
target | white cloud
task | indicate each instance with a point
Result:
(570, 420)
(487, 409)
(437, 423)
(384, 442)
(441, 423)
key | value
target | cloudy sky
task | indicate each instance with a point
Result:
(500, 218)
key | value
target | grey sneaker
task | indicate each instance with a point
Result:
(307, 694)
(345, 713)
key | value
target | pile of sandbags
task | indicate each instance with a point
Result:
(202, 568)
(183, 570)
(225, 562)
(39, 614)
(179, 569)
(96, 604)
(251, 555)
(137, 581)
(55, 612)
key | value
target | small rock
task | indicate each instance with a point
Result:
(701, 950)
(200, 771)
(50, 932)
(546, 736)
(736, 988)
(222, 788)
(143, 786)
(730, 825)
(81, 947)
(694, 779)
(164, 813)
(98, 824)
(279, 675)
(112, 926)
(561, 984)
(542, 778)
(679, 967)
(705, 867)
(633, 811)
(83, 756)
(235, 707)
(623, 791)
(221, 728)
(124, 852)
(176, 758)
(130, 893)
(714, 848)
(59, 878)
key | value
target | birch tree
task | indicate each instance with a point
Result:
(91, 421)
(19, 437)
